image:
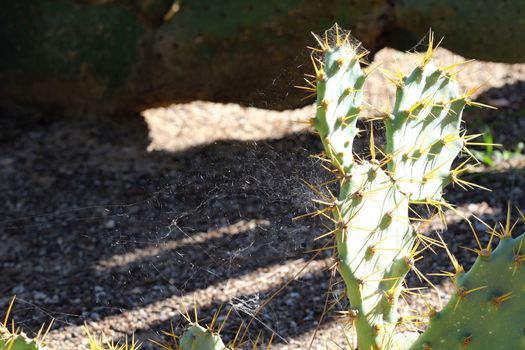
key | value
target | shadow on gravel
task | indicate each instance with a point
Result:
(507, 122)
(305, 296)
(77, 193)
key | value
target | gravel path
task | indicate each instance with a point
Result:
(123, 222)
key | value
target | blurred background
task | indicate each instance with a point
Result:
(154, 153)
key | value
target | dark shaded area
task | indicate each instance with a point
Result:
(111, 56)
(78, 194)
(507, 122)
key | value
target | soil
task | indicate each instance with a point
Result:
(122, 223)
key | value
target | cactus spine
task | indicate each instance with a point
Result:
(16, 341)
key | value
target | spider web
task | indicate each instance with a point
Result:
(99, 230)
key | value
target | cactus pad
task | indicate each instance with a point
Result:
(487, 311)
(374, 241)
(339, 95)
(423, 132)
(16, 341)
(197, 337)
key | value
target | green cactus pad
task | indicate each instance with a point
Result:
(10, 341)
(423, 133)
(339, 96)
(197, 337)
(374, 240)
(488, 310)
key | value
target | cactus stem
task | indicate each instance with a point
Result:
(330, 204)
(316, 49)
(378, 328)
(450, 67)
(469, 102)
(390, 296)
(324, 45)
(326, 234)
(351, 90)
(319, 75)
(518, 259)
(427, 56)
(396, 78)
(307, 88)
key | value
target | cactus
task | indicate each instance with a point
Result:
(16, 341)
(376, 245)
(423, 132)
(198, 337)
(129, 55)
(11, 339)
(486, 311)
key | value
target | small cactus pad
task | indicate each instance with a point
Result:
(423, 132)
(197, 337)
(374, 240)
(339, 95)
(16, 341)
(487, 311)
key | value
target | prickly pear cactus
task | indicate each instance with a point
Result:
(339, 96)
(197, 337)
(487, 310)
(376, 244)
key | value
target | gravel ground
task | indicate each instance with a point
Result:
(121, 223)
